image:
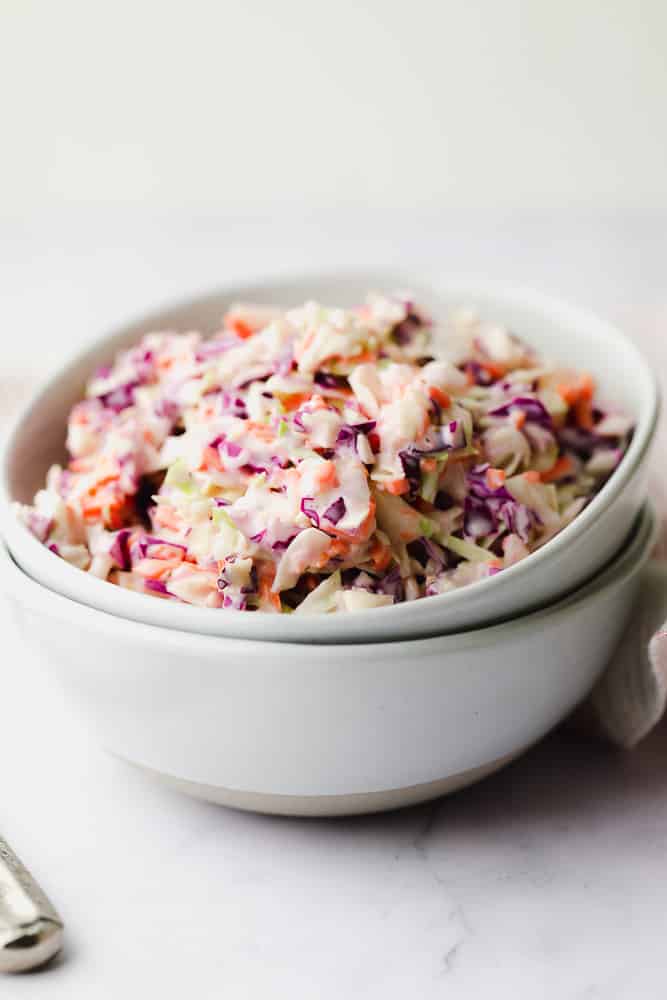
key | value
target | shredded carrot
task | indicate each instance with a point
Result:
(267, 574)
(495, 369)
(211, 459)
(338, 547)
(495, 478)
(561, 468)
(115, 518)
(440, 396)
(357, 359)
(519, 418)
(380, 554)
(583, 413)
(81, 465)
(572, 392)
(108, 507)
(91, 512)
(261, 430)
(586, 386)
(397, 486)
(429, 464)
(240, 328)
(568, 393)
(293, 400)
(104, 480)
(326, 477)
(532, 477)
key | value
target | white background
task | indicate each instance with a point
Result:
(246, 106)
(151, 150)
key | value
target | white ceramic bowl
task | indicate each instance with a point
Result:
(556, 330)
(322, 729)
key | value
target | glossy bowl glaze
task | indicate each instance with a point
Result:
(328, 729)
(556, 330)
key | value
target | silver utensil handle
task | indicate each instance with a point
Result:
(30, 929)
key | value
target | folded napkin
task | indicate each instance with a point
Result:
(630, 697)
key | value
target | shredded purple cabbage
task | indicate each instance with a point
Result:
(349, 433)
(121, 397)
(336, 511)
(310, 511)
(411, 470)
(282, 544)
(487, 510)
(404, 332)
(479, 374)
(425, 550)
(330, 381)
(120, 551)
(534, 410)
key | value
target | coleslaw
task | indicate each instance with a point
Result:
(323, 459)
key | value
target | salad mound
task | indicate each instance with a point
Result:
(320, 460)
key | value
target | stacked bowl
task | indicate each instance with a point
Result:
(333, 714)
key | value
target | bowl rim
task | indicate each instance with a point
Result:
(634, 555)
(192, 617)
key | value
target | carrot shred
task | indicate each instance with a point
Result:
(211, 459)
(380, 554)
(561, 468)
(397, 486)
(440, 396)
(532, 477)
(495, 369)
(495, 478)
(573, 392)
(326, 476)
(240, 328)
(294, 400)
(568, 393)
(586, 386)
(263, 432)
(266, 577)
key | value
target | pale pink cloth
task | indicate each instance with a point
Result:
(629, 699)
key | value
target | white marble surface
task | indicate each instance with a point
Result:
(544, 881)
